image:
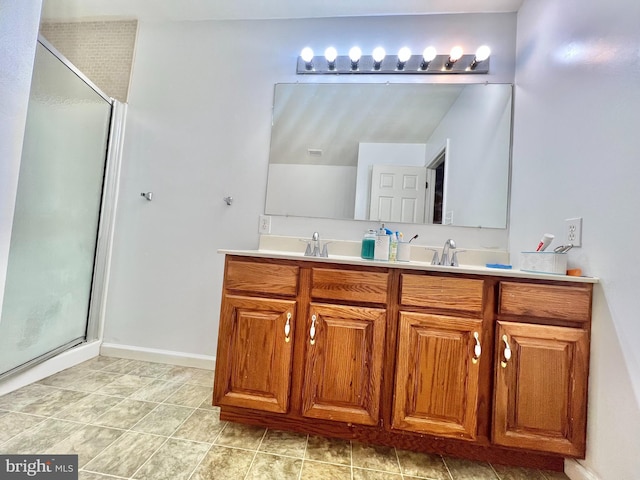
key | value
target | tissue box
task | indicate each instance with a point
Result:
(544, 262)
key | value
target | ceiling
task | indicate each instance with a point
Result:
(163, 10)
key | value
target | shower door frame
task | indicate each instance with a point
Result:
(108, 203)
(106, 221)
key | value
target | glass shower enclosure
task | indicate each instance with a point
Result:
(50, 272)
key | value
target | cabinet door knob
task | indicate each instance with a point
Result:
(312, 330)
(477, 349)
(506, 354)
(287, 328)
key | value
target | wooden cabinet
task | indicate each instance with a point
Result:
(342, 344)
(541, 388)
(254, 361)
(255, 355)
(485, 367)
(437, 374)
(437, 366)
(343, 363)
(541, 367)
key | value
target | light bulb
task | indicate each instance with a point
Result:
(355, 53)
(429, 54)
(330, 54)
(404, 54)
(456, 53)
(482, 53)
(378, 54)
(306, 54)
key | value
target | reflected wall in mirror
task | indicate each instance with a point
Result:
(414, 153)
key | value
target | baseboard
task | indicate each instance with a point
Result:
(70, 358)
(159, 356)
(576, 471)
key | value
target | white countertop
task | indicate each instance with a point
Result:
(413, 265)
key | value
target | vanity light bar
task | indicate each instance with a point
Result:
(403, 63)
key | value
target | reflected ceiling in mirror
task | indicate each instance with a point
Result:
(411, 153)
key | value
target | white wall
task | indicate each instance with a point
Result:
(480, 143)
(18, 36)
(576, 152)
(199, 129)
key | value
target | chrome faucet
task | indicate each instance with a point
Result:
(314, 248)
(449, 245)
(315, 238)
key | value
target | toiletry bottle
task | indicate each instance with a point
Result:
(381, 251)
(368, 245)
(393, 247)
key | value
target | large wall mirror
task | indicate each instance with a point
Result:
(411, 153)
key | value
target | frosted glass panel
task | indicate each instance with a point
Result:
(55, 225)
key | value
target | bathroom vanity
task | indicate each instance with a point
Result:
(469, 362)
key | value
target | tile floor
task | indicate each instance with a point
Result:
(128, 419)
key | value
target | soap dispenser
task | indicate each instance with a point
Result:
(368, 245)
(381, 251)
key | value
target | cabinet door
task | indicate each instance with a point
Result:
(437, 374)
(254, 358)
(541, 388)
(343, 367)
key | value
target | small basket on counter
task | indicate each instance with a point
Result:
(544, 262)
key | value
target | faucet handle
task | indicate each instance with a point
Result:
(454, 258)
(307, 252)
(434, 260)
(325, 250)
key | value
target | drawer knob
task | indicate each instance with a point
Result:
(312, 330)
(477, 349)
(506, 354)
(287, 328)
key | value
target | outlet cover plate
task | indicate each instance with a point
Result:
(573, 228)
(265, 224)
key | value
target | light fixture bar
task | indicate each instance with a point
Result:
(389, 65)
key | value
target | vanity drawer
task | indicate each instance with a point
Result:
(262, 278)
(357, 286)
(441, 292)
(546, 301)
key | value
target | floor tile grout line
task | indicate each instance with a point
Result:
(152, 454)
(152, 410)
(71, 387)
(447, 467)
(495, 472)
(113, 406)
(255, 454)
(24, 431)
(144, 433)
(304, 455)
(208, 451)
(351, 457)
(125, 431)
(104, 474)
(83, 424)
(395, 450)
(44, 419)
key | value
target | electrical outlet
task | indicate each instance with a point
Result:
(265, 224)
(573, 227)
